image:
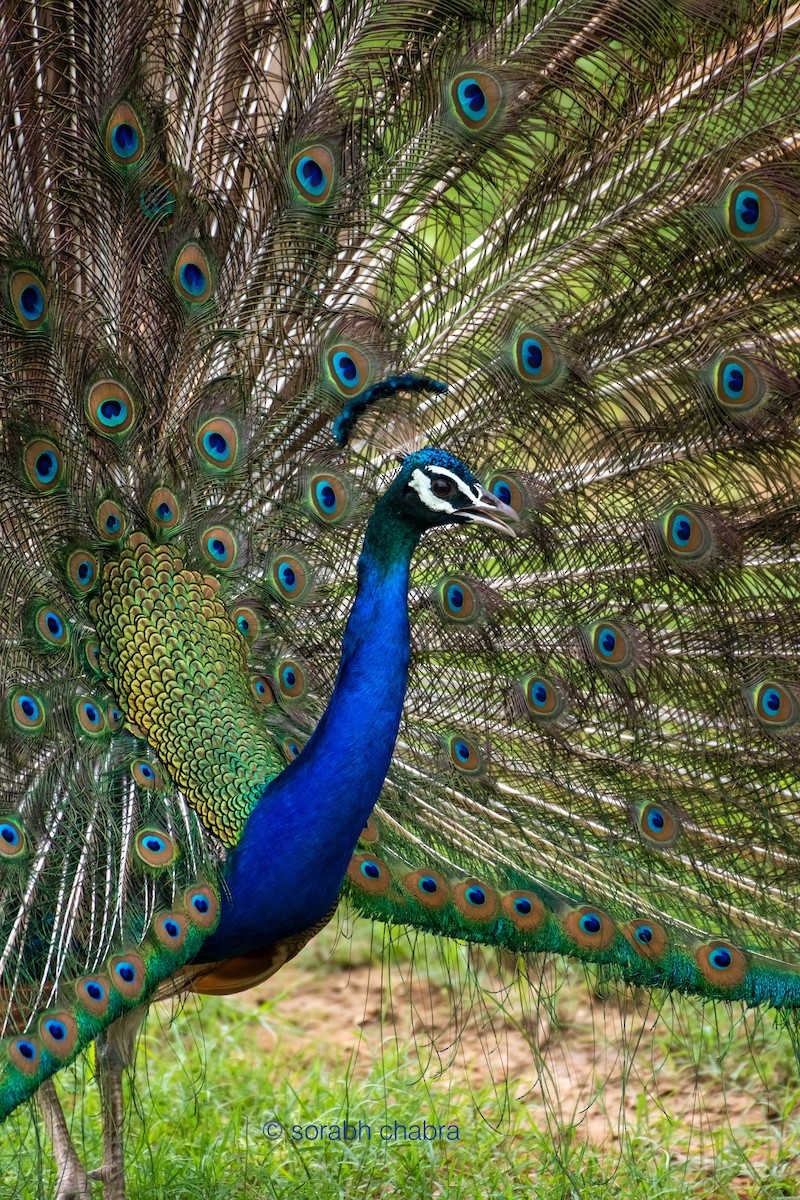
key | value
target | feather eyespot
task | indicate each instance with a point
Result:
(753, 214)
(475, 900)
(247, 622)
(291, 749)
(543, 697)
(82, 571)
(647, 937)
(464, 755)
(109, 408)
(328, 498)
(657, 825)
(127, 974)
(685, 534)
(163, 509)
(192, 275)
(110, 521)
(157, 198)
(369, 833)
(369, 874)
(124, 136)
(524, 909)
(476, 99)
(427, 887)
(217, 444)
(262, 690)
(91, 717)
(349, 369)
(51, 626)
(92, 993)
(219, 547)
(91, 654)
(171, 928)
(291, 679)
(508, 490)
(202, 905)
(29, 299)
(27, 710)
(590, 928)
(312, 174)
(609, 645)
(535, 359)
(114, 717)
(774, 704)
(289, 577)
(738, 385)
(721, 964)
(43, 464)
(457, 600)
(146, 775)
(155, 848)
(12, 838)
(58, 1033)
(24, 1054)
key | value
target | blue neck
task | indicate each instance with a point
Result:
(286, 871)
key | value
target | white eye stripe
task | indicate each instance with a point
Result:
(421, 484)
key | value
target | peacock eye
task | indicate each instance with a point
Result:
(443, 488)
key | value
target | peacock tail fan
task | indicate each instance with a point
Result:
(558, 240)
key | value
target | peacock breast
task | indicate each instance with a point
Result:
(179, 670)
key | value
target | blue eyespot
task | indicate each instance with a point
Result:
(113, 523)
(243, 625)
(310, 175)
(643, 934)
(681, 529)
(217, 549)
(771, 701)
(371, 870)
(522, 906)
(172, 928)
(124, 140)
(56, 1029)
(293, 749)
(126, 972)
(91, 714)
(46, 467)
(345, 369)
(29, 707)
(31, 301)
(655, 820)
(200, 903)
(146, 771)
(326, 496)
(606, 641)
(164, 512)
(155, 845)
(538, 693)
(472, 99)
(95, 991)
(502, 490)
(747, 210)
(215, 445)
(733, 380)
(720, 958)
(54, 624)
(287, 577)
(26, 1049)
(428, 884)
(9, 834)
(455, 598)
(193, 279)
(288, 677)
(85, 571)
(476, 895)
(590, 923)
(461, 750)
(112, 412)
(532, 354)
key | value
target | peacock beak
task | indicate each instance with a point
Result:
(488, 510)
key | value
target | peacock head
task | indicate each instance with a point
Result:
(435, 488)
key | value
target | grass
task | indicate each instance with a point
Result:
(536, 1091)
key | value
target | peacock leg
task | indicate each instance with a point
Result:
(114, 1051)
(73, 1182)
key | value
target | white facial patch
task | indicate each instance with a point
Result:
(421, 484)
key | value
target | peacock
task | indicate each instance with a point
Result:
(400, 498)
